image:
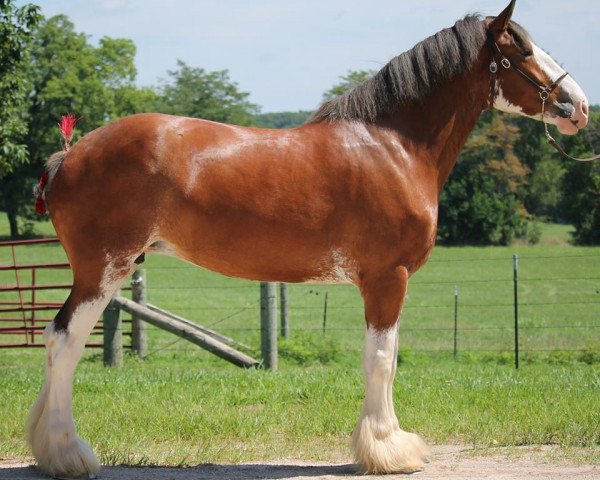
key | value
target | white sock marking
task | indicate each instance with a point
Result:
(52, 434)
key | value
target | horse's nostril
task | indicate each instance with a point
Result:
(584, 108)
(581, 113)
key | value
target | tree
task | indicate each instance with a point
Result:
(473, 211)
(581, 198)
(348, 81)
(281, 119)
(544, 192)
(16, 26)
(545, 189)
(67, 74)
(194, 92)
(70, 75)
(482, 202)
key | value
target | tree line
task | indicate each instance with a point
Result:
(506, 180)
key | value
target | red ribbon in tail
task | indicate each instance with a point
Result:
(67, 124)
(40, 204)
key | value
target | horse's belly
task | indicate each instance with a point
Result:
(255, 252)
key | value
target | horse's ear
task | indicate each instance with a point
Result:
(500, 23)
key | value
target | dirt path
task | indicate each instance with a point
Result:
(448, 462)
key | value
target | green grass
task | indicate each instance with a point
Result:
(183, 406)
(40, 228)
(555, 234)
(164, 412)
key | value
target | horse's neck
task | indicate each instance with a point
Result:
(440, 126)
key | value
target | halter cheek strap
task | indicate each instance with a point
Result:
(544, 93)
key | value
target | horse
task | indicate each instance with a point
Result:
(351, 196)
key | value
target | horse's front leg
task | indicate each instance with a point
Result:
(380, 445)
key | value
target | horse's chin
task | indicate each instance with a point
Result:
(566, 126)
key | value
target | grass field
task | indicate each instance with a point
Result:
(162, 411)
(183, 406)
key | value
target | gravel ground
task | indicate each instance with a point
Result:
(448, 462)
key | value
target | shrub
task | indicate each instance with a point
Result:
(589, 356)
(310, 348)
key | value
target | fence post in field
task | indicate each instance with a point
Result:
(283, 307)
(113, 338)
(516, 301)
(268, 324)
(325, 314)
(455, 319)
(139, 337)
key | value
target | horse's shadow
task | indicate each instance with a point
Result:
(203, 471)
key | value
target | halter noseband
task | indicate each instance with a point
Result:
(544, 93)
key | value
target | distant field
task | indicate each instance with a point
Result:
(555, 234)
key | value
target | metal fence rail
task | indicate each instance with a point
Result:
(26, 325)
(20, 298)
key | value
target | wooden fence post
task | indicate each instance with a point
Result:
(325, 314)
(113, 338)
(455, 321)
(268, 324)
(283, 310)
(516, 302)
(139, 338)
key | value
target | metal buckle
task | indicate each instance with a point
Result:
(493, 67)
(505, 62)
(544, 94)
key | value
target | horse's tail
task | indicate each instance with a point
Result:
(66, 125)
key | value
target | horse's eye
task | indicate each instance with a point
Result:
(526, 53)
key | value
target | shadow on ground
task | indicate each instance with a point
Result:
(207, 471)
(449, 462)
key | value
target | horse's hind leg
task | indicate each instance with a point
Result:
(51, 430)
(380, 446)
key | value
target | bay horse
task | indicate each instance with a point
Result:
(351, 196)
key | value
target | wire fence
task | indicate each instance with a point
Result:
(559, 307)
(459, 302)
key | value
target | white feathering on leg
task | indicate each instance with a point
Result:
(380, 446)
(51, 429)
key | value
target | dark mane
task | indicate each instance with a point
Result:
(412, 75)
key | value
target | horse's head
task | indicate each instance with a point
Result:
(526, 75)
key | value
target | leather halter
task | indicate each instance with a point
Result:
(544, 93)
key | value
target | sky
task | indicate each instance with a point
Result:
(286, 53)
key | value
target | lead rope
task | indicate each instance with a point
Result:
(492, 90)
(544, 96)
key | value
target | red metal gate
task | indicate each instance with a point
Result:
(23, 314)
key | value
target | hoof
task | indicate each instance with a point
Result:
(380, 450)
(72, 460)
(57, 448)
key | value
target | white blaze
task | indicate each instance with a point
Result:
(553, 70)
